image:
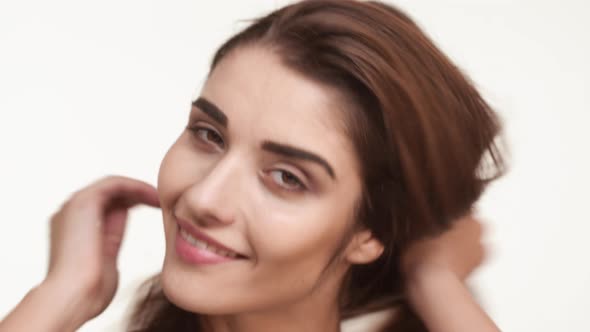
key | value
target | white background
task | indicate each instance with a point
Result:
(90, 88)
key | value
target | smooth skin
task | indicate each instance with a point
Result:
(82, 278)
(93, 221)
(436, 269)
(288, 216)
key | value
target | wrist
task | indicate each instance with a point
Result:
(421, 280)
(443, 302)
(67, 304)
(47, 307)
(420, 272)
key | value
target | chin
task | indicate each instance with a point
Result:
(189, 294)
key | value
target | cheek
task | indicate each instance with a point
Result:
(168, 180)
(284, 242)
(292, 243)
(293, 249)
(180, 168)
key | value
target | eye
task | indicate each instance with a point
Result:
(287, 180)
(208, 135)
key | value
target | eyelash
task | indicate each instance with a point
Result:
(299, 185)
(197, 129)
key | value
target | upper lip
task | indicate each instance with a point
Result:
(193, 231)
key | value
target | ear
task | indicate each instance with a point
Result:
(363, 248)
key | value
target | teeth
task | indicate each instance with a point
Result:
(199, 244)
(203, 245)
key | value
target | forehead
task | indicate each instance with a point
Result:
(265, 100)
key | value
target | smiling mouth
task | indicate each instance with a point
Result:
(203, 245)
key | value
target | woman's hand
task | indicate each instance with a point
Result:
(435, 269)
(458, 250)
(86, 234)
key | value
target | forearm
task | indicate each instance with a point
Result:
(445, 305)
(45, 308)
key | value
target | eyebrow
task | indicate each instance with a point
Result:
(293, 152)
(212, 110)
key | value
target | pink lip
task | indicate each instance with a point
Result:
(194, 255)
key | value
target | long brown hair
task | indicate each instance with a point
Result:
(424, 136)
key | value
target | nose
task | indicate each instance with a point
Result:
(212, 199)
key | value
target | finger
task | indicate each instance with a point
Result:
(114, 228)
(126, 190)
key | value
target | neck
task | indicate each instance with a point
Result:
(316, 312)
(284, 322)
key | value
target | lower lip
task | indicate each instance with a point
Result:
(194, 255)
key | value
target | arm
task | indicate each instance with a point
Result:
(46, 307)
(435, 270)
(86, 234)
(444, 304)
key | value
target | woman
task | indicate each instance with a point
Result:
(321, 169)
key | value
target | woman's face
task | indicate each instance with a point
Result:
(264, 168)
